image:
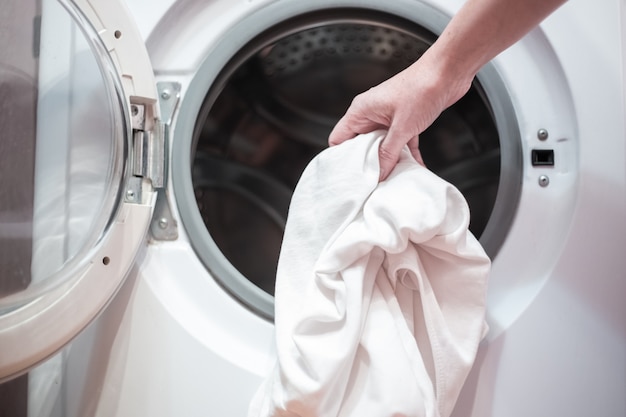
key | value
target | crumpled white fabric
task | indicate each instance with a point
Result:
(380, 292)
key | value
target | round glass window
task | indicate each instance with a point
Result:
(61, 148)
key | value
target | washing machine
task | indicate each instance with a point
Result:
(149, 154)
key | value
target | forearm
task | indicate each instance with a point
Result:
(480, 31)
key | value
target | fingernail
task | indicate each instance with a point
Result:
(382, 175)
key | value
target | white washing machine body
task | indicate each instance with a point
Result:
(187, 335)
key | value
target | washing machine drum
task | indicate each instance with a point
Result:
(271, 110)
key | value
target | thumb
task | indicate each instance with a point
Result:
(389, 153)
(413, 145)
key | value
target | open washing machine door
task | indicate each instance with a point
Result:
(82, 158)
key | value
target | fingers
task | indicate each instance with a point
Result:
(413, 145)
(341, 132)
(390, 147)
(350, 126)
(389, 152)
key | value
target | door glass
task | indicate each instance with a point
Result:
(61, 142)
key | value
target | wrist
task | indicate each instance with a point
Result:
(448, 79)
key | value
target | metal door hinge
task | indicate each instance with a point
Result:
(148, 148)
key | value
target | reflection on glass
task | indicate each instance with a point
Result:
(18, 101)
(56, 147)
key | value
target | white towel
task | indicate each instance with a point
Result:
(380, 292)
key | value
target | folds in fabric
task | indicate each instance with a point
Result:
(380, 292)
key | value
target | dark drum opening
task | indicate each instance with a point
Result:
(272, 107)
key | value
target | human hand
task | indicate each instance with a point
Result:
(405, 105)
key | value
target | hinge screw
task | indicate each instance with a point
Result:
(542, 134)
(165, 94)
(130, 195)
(544, 180)
(163, 223)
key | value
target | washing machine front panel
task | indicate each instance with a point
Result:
(540, 297)
(76, 201)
